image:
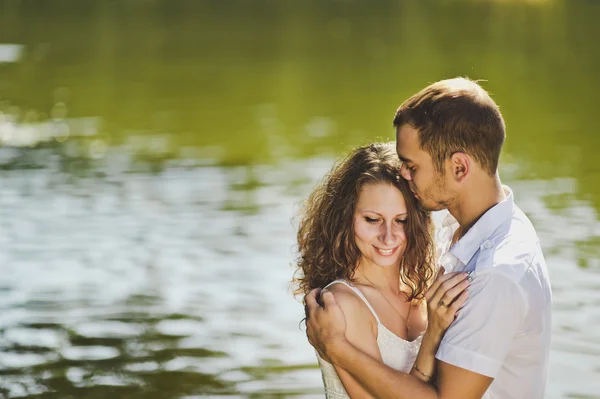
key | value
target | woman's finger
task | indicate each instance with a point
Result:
(444, 283)
(439, 273)
(445, 286)
(450, 295)
(441, 277)
(459, 302)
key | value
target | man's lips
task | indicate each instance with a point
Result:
(413, 191)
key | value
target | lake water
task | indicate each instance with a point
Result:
(156, 152)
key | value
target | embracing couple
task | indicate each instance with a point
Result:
(392, 314)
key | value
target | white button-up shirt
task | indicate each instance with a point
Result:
(503, 330)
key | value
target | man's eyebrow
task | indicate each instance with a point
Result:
(403, 159)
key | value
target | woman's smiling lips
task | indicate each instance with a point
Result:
(386, 252)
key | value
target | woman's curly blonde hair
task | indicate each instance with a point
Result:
(326, 242)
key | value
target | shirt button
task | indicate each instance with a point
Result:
(488, 244)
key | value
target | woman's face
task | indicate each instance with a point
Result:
(379, 222)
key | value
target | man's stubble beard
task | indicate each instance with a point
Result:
(442, 198)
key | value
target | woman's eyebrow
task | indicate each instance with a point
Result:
(377, 213)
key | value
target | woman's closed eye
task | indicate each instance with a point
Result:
(375, 220)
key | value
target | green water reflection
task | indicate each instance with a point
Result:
(262, 80)
(254, 82)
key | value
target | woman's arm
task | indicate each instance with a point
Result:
(424, 366)
(444, 298)
(361, 331)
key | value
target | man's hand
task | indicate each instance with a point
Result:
(325, 324)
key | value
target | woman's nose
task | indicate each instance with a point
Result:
(388, 236)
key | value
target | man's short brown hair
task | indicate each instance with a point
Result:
(455, 115)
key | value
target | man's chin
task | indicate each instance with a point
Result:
(429, 207)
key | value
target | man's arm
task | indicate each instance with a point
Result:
(470, 356)
(326, 326)
(384, 382)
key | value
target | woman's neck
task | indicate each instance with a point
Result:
(382, 278)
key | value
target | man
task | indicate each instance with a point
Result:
(449, 137)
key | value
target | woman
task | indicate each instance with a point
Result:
(364, 238)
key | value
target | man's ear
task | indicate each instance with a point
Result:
(460, 164)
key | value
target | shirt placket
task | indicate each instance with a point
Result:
(446, 259)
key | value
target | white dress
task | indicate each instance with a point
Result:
(396, 352)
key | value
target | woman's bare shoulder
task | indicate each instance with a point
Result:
(345, 296)
(355, 310)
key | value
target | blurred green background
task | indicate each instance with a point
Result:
(154, 154)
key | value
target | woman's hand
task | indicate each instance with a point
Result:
(444, 298)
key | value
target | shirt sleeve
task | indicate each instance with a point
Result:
(480, 337)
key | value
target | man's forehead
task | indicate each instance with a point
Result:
(407, 143)
(402, 154)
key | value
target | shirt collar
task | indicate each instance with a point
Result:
(466, 247)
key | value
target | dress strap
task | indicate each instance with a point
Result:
(357, 292)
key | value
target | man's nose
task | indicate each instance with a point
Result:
(404, 172)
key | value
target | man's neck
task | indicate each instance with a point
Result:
(476, 201)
